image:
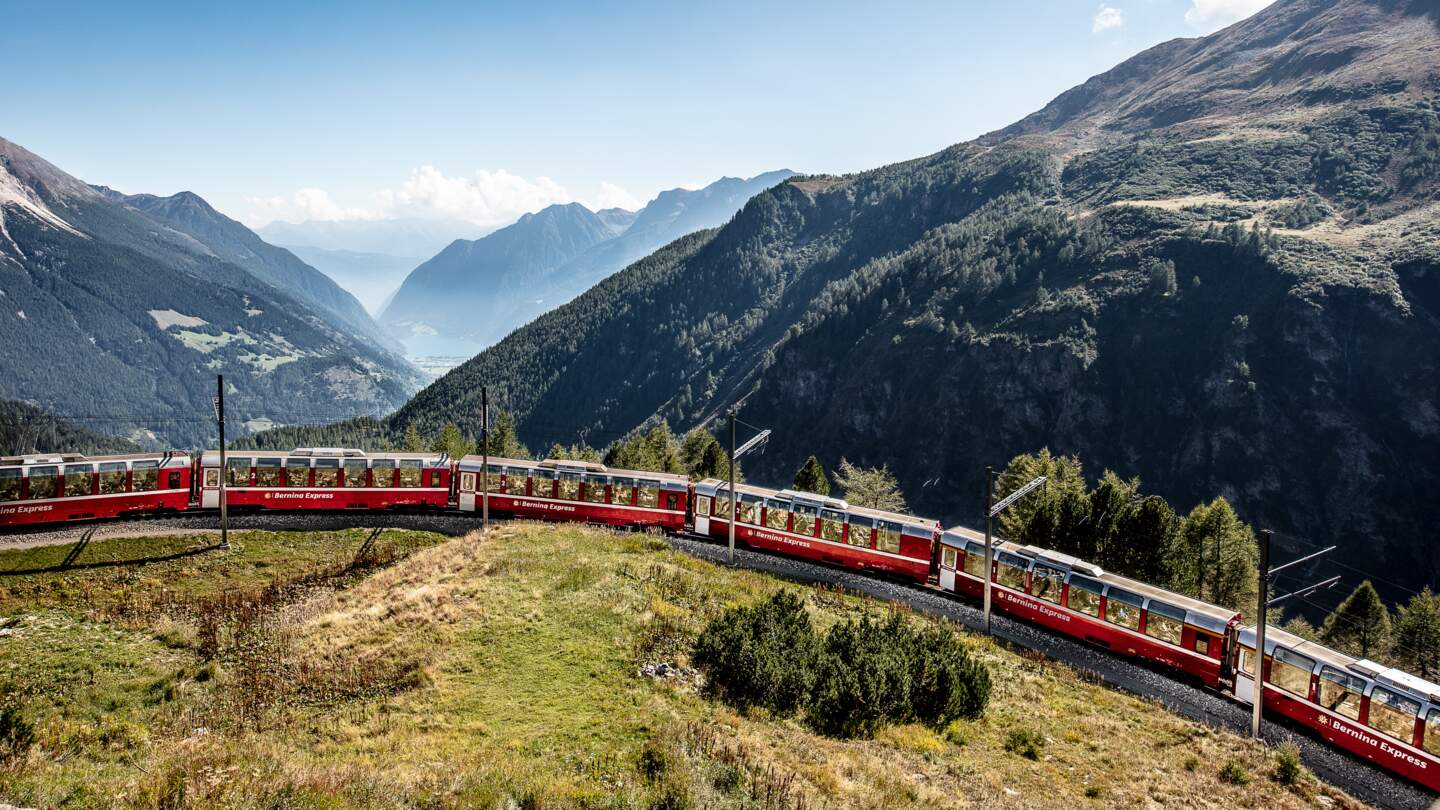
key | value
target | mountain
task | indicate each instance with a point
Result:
(1215, 267)
(475, 292)
(372, 277)
(110, 312)
(414, 238)
(234, 243)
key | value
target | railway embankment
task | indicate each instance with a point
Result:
(541, 665)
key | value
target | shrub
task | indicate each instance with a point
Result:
(863, 678)
(655, 760)
(17, 734)
(1288, 769)
(945, 683)
(760, 656)
(1025, 742)
(1234, 773)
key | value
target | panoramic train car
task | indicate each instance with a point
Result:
(48, 489)
(326, 478)
(1384, 715)
(1073, 597)
(556, 489)
(816, 527)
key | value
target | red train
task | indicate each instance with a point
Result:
(1382, 714)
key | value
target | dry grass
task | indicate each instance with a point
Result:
(501, 671)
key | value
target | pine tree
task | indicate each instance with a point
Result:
(1361, 625)
(1216, 558)
(870, 487)
(412, 443)
(811, 478)
(1417, 634)
(452, 442)
(1064, 479)
(1149, 531)
(503, 440)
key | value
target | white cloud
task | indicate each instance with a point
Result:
(1215, 14)
(613, 196)
(1106, 18)
(488, 198)
(307, 204)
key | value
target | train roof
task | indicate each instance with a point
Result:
(1204, 614)
(1388, 677)
(714, 486)
(213, 456)
(472, 463)
(80, 458)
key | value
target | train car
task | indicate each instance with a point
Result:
(557, 489)
(326, 478)
(39, 489)
(1078, 599)
(1385, 715)
(815, 527)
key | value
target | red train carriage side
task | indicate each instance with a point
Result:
(1077, 599)
(802, 524)
(326, 478)
(41, 489)
(1385, 715)
(575, 490)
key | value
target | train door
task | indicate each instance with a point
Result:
(467, 491)
(948, 557)
(1244, 664)
(210, 487)
(702, 514)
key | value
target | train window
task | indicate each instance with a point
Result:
(492, 477)
(595, 489)
(569, 488)
(1123, 608)
(9, 483)
(327, 472)
(702, 504)
(112, 477)
(1047, 583)
(860, 534)
(144, 476)
(267, 472)
(1165, 622)
(887, 536)
(1202, 644)
(777, 515)
(355, 472)
(1340, 692)
(1290, 671)
(832, 527)
(1010, 570)
(805, 520)
(622, 491)
(382, 472)
(1431, 741)
(975, 560)
(1247, 661)
(43, 482)
(647, 494)
(237, 471)
(212, 477)
(77, 479)
(750, 506)
(722, 508)
(411, 470)
(297, 472)
(1084, 595)
(948, 557)
(1393, 714)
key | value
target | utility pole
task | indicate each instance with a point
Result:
(485, 457)
(734, 505)
(989, 548)
(220, 417)
(1264, 602)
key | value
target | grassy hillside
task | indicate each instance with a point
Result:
(474, 671)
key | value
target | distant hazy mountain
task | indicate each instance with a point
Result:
(419, 238)
(371, 277)
(475, 292)
(109, 309)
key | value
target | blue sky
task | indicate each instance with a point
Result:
(481, 111)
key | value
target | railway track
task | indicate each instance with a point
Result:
(1356, 776)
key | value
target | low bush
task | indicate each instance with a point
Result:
(760, 656)
(1288, 768)
(1025, 742)
(864, 678)
(1234, 773)
(17, 734)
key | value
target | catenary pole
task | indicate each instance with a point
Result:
(220, 417)
(734, 506)
(485, 457)
(989, 551)
(1259, 696)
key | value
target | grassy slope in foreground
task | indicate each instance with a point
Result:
(462, 672)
